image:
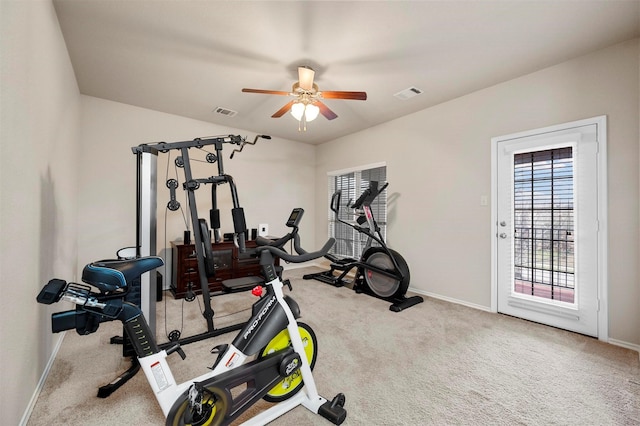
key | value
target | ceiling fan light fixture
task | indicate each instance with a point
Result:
(311, 112)
(303, 111)
(297, 110)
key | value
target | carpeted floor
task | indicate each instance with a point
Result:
(436, 363)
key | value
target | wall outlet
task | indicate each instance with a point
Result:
(263, 229)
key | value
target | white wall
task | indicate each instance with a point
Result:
(438, 166)
(39, 121)
(272, 178)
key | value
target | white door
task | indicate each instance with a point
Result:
(549, 211)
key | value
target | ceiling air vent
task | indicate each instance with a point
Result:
(225, 111)
(408, 93)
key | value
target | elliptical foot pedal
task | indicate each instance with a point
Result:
(334, 411)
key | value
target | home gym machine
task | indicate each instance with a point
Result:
(146, 225)
(141, 291)
(380, 272)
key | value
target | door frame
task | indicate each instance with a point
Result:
(602, 200)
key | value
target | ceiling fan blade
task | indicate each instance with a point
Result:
(358, 96)
(282, 111)
(266, 92)
(324, 110)
(305, 78)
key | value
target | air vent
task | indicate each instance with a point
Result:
(408, 93)
(225, 111)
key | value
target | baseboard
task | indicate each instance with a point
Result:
(614, 342)
(43, 378)
(290, 266)
(626, 345)
(450, 299)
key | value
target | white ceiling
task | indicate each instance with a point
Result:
(187, 57)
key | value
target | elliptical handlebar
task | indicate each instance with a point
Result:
(361, 199)
(369, 194)
(366, 198)
(364, 201)
(335, 207)
(335, 201)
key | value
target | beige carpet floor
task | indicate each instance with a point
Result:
(436, 363)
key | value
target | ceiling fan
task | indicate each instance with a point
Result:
(307, 103)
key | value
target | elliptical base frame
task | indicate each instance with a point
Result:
(399, 301)
(398, 304)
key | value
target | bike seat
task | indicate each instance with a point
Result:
(112, 275)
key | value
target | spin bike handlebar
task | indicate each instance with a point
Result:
(302, 256)
(276, 247)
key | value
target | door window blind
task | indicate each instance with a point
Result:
(544, 224)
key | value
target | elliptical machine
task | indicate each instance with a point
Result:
(381, 272)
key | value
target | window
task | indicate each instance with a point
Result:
(349, 242)
(544, 224)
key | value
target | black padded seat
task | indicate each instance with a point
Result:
(241, 284)
(112, 275)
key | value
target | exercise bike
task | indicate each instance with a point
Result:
(285, 350)
(380, 272)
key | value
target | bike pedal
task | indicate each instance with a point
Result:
(177, 348)
(288, 284)
(334, 411)
(219, 349)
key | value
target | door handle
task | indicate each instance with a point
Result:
(503, 235)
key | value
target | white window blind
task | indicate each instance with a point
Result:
(543, 204)
(349, 242)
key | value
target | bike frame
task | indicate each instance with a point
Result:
(271, 314)
(167, 391)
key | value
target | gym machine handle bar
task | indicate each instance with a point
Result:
(244, 141)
